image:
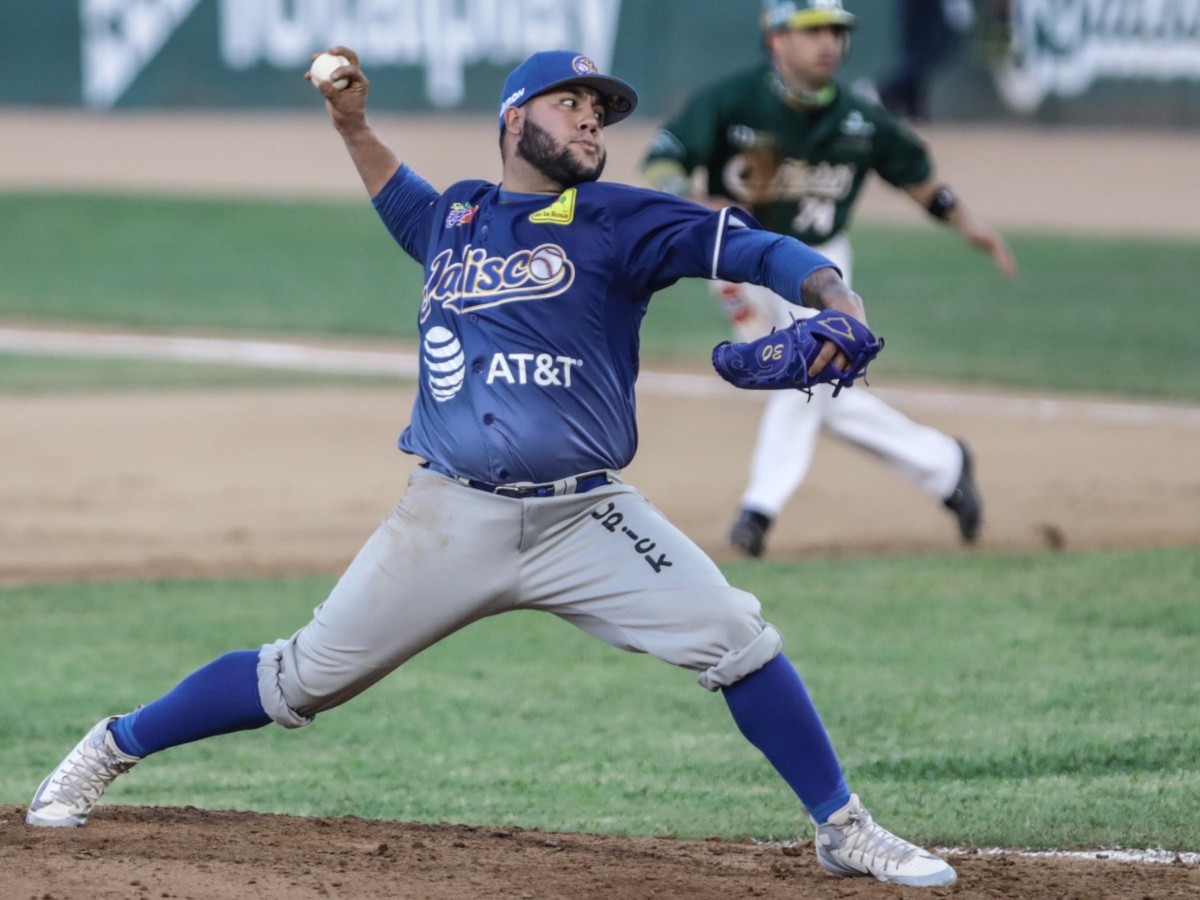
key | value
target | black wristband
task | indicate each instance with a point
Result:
(942, 202)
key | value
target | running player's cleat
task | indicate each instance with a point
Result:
(852, 844)
(749, 532)
(965, 502)
(68, 794)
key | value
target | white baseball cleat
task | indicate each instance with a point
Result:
(851, 844)
(68, 794)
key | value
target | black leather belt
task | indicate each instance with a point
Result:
(576, 484)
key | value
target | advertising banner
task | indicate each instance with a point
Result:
(1061, 49)
(1103, 61)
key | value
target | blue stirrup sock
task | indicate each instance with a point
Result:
(770, 706)
(773, 710)
(220, 698)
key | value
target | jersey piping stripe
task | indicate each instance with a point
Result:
(720, 237)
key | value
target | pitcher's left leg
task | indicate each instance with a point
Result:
(625, 574)
(621, 571)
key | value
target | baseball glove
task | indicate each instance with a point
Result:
(782, 358)
(759, 169)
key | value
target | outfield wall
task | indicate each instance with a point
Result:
(1048, 61)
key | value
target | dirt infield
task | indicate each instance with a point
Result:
(136, 852)
(289, 481)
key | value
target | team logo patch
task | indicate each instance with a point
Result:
(560, 212)
(583, 66)
(460, 214)
(472, 280)
(855, 125)
(445, 363)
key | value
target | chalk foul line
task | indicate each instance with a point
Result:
(403, 364)
(1121, 855)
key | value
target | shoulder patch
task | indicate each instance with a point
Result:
(560, 212)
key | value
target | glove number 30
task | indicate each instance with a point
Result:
(771, 352)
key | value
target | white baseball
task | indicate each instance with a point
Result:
(322, 67)
(546, 262)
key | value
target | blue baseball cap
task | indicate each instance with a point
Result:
(550, 69)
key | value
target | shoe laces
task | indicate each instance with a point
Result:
(867, 839)
(87, 776)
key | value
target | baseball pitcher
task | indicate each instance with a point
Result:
(533, 295)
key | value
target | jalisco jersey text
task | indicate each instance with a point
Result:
(825, 154)
(531, 307)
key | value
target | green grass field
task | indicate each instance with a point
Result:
(1110, 315)
(1021, 700)
(1041, 700)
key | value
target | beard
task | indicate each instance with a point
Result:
(559, 164)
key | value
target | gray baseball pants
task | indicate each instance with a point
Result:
(606, 561)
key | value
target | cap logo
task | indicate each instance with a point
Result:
(583, 66)
(511, 99)
(564, 70)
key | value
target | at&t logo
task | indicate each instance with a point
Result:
(445, 363)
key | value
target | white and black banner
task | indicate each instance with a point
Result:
(121, 37)
(1060, 48)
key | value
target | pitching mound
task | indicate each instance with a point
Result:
(142, 852)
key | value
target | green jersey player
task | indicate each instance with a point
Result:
(788, 143)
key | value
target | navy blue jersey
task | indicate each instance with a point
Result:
(530, 313)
